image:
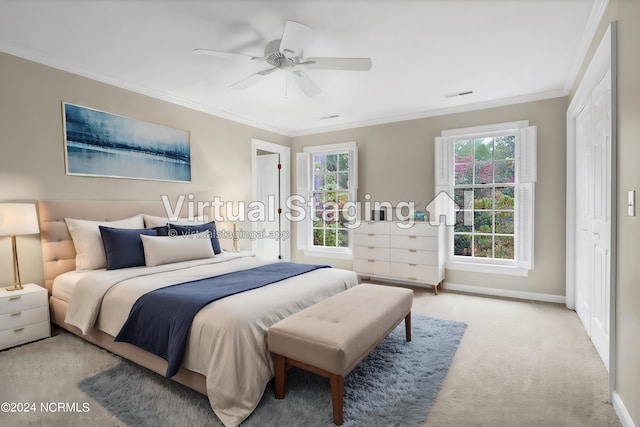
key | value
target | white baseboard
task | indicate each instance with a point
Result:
(621, 410)
(560, 299)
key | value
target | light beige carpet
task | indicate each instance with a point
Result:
(519, 364)
(49, 387)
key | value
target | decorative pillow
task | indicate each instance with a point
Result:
(167, 249)
(204, 228)
(123, 246)
(151, 221)
(88, 242)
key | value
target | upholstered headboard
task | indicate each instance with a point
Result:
(58, 252)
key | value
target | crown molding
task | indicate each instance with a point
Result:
(595, 17)
(438, 112)
(142, 90)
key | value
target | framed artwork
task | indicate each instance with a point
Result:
(97, 143)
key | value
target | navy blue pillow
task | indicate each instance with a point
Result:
(192, 229)
(123, 246)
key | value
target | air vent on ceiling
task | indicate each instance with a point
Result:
(463, 93)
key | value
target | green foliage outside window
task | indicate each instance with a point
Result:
(330, 194)
(485, 174)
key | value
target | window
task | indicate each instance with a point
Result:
(490, 173)
(327, 177)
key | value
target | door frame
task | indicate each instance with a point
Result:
(285, 188)
(604, 59)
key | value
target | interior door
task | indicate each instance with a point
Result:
(601, 220)
(593, 216)
(583, 224)
(268, 246)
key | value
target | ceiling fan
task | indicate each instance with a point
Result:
(287, 54)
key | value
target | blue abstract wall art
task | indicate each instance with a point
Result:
(108, 145)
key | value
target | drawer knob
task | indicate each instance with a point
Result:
(412, 265)
(371, 234)
(371, 260)
(16, 314)
(371, 247)
(413, 250)
(413, 237)
(15, 297)
(18, 330)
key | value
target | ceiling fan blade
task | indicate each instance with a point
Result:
(221, 54)
(252, 79)
(294, 38)
(305, 83)
(350, 64)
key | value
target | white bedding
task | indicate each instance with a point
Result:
(64, 284)
(227, 340)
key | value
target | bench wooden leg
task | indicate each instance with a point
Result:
(280, 364)
(337, 398)
(407, 326)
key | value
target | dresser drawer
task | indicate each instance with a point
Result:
(24, 334)
(414, 256)
(418, 229)
(415, 272)
(24, 301)
(373, 227)
(23, 318)
(371, 252)
(373, 240)
(414, 242)
(371, 267)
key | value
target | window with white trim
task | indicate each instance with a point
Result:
(327, 178)
(490, 172)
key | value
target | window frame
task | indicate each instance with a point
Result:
(305, 180)
(524, 190)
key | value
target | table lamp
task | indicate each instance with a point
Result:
(17, 219)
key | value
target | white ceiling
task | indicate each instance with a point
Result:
(503, 50)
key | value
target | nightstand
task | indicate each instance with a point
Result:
(24, 315)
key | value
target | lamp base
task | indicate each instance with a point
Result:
(15, 287)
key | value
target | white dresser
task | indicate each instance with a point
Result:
(24, 315)
(414, 255)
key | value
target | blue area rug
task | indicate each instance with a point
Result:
(394, 386)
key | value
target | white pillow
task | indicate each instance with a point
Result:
(88, 242)
(167, 249)
(151, 221)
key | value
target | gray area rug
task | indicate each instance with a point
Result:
(394, 386)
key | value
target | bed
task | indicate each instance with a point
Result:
(226, 356)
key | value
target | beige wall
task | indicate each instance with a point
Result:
(32, 156)
(395, 163)
(627, 316)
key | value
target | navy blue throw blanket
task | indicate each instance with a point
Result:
(160, 320)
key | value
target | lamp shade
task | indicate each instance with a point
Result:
(18, 218)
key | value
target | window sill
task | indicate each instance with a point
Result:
(329, 253)
(507, 270)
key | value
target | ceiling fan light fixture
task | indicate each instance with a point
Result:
(287, 54)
